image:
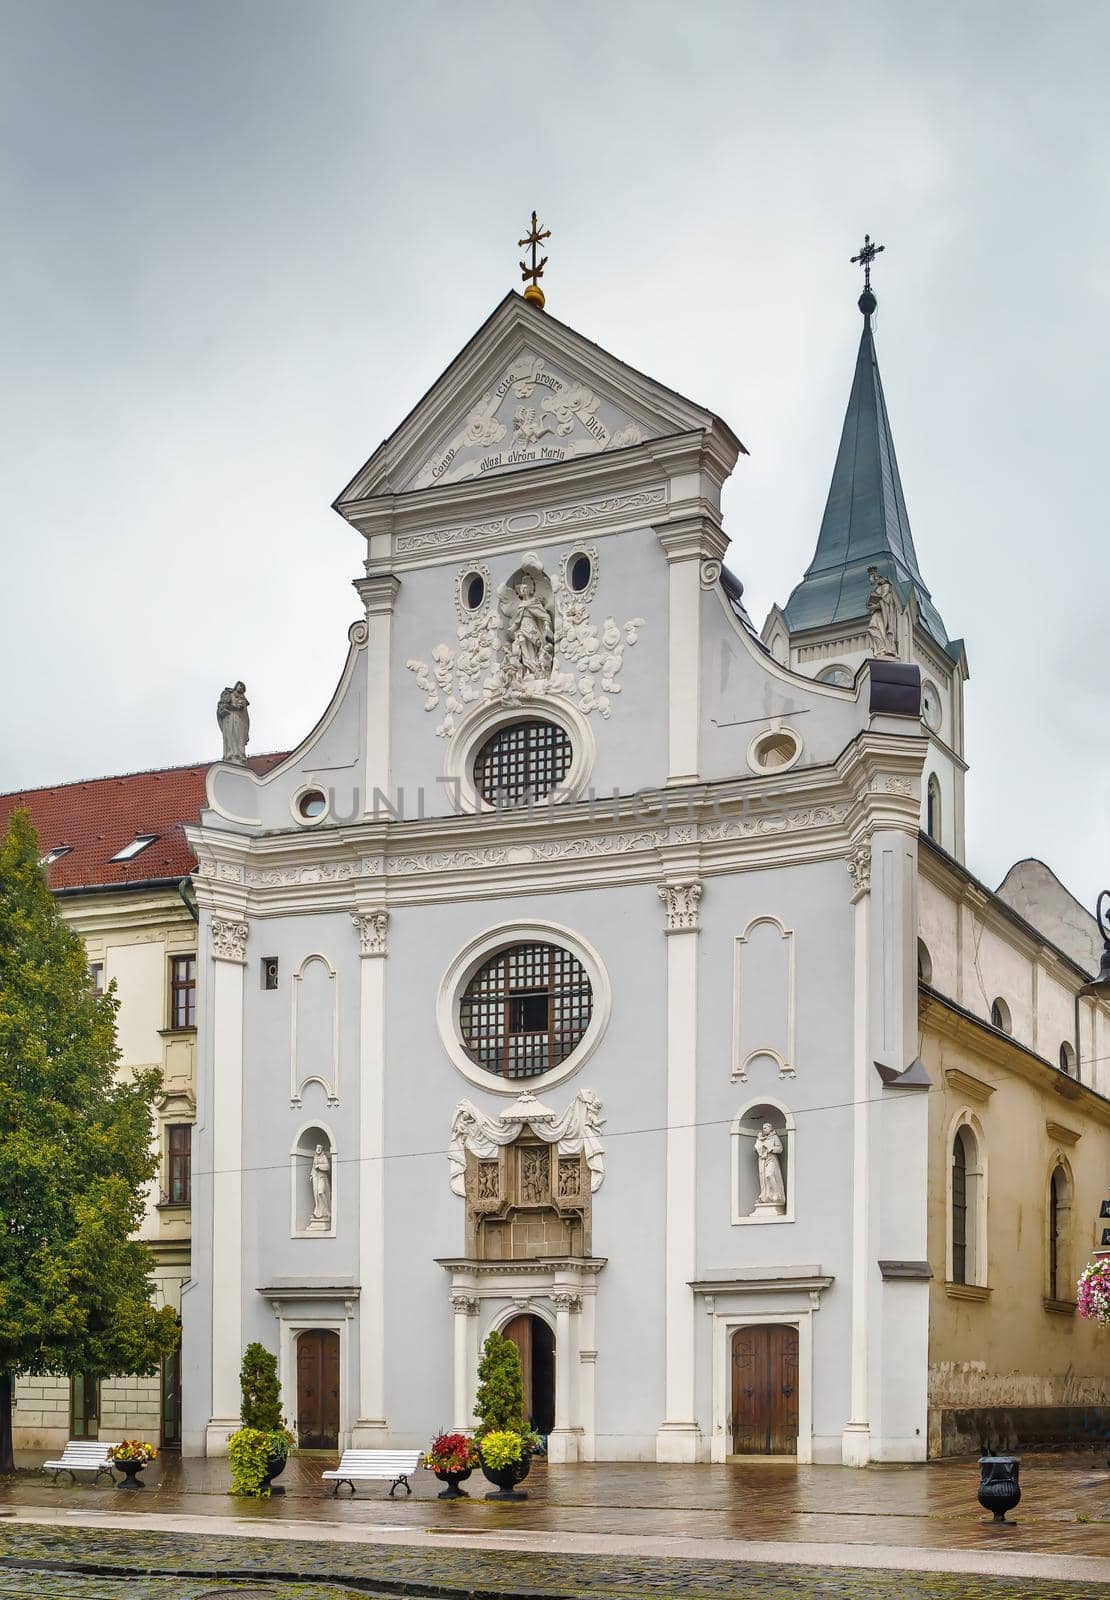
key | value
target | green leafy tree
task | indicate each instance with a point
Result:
(76, 1155)
(499, 1404)
(258, 1379)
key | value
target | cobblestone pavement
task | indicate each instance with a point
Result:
(54, 1564)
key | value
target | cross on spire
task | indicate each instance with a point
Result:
(535, 237)
(868, 252)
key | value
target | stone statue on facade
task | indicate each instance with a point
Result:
(882, 606)
(321, 1189)
(235, 723)
(529, 634)
(768, 1149)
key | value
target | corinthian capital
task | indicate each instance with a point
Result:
(373, 929)
(229, 939)
(681, 901)
(859, 866)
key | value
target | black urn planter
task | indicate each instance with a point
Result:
(999, 1490)
(130, 1470)
(507, 1478)
(452, 1480)
(274, 1469)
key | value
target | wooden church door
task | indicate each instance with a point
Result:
(318, 1390)
(765, 1391)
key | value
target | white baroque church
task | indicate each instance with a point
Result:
(597, 970)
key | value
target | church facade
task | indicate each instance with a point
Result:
(569, 978)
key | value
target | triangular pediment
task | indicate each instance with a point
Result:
(526, 391)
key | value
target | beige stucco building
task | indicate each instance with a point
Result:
(118, 862)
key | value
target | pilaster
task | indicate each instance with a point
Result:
(688, 543)
(378, 595)
(678, 1437)
(371, 1430)
(465, 1309)
(229, 945)
(562, 1444)
(856, 1441)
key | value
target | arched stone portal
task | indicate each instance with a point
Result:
(536, 1344)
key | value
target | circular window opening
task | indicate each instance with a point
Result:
(312, 804)
(474, 588)
(525, 1009)
(581, 571)
(522, 763)
(776, 749)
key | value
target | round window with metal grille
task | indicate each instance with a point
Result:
(523, 762)
(525, 1010)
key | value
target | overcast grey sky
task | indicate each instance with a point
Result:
(243, 237)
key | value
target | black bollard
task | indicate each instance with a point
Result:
(999, 1489)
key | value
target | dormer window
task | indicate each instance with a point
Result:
(136, 847)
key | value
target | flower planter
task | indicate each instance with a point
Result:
(274, 1469)
(507, 1478)
(452, 1480)
(130, 1469)
(999, 1490)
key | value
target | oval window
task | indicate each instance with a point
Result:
(581, 571)
(312, 804)
(475, 591)
(525, 1010)
(776, 749)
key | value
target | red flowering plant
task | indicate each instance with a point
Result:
(451, 1452)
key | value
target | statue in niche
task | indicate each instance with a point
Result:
(234, 722)
(768, 1149)
(530, 633)
(882, 606)
(320, 1174)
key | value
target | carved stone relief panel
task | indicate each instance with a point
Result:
(530, 1202)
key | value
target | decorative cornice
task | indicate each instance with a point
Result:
(373, 931)
(1061, 1134)
(681, 902)
(229, 939)
(696, 538)
(528, 524)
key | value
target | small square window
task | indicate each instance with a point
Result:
(138, 844)
(528, 1013)
(96, 973)
(269, 972)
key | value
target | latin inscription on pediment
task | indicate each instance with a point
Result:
(533, 414)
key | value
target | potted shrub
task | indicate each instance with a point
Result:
(505, 1442)
(130, 1456)
(452, 1457)
(259, 1449)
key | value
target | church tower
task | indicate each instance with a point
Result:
(863, 595)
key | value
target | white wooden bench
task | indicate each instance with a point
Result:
(364, 1466)
(82, 1455)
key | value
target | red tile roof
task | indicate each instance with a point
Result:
(98, 817)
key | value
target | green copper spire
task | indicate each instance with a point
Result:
(865, 522)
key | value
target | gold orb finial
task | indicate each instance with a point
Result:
(535, 237)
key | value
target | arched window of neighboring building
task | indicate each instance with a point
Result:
(1067, 1058)
(1000, 1016)
(1059, 1215)
(967, 1234)
(924, 963)
(932, 808)
(959, 1209)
